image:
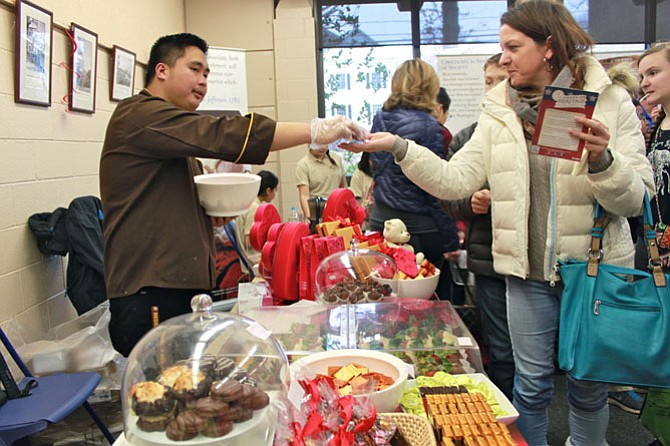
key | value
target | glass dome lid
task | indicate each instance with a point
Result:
(354, 276)
(204, 377)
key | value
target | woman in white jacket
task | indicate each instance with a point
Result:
(542, 207)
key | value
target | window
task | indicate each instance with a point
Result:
(376, 81)
(365, 40)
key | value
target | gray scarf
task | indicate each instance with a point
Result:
(526, 104)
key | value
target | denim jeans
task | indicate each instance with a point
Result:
(492, 301)
(533, 309)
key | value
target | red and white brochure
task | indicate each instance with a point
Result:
(558, 110)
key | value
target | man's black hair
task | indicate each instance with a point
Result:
(443, 99)
(168, 49)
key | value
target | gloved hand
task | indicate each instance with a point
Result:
(325, 131)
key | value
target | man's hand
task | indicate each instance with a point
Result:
(481, 202)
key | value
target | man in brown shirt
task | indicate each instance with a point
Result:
(159, 248)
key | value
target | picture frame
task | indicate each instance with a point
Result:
(123, 73)
(34, 50)
(84, 69)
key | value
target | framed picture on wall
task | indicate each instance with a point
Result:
(33, 54)
(84, 69)
(123, 73)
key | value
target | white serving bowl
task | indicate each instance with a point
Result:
(423, 288)
(227, 194)
(386, 400)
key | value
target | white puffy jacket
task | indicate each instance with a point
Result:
(497, 153)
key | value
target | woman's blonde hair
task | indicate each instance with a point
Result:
(415, 85)
(623, 75)
(660, 47)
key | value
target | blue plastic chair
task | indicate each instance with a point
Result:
(54, 398)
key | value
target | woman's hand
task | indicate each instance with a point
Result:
(597, 137)
(376, 142)
(328, 130)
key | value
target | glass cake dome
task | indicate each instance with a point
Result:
(205, 377)
(353, 276)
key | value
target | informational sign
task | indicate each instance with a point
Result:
(463, 78)
(227, 81)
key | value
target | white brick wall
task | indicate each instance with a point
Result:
(50, 156)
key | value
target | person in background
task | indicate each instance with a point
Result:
(623, 74)
(362, 186)
(490, 287)
(542, 207)
(317, 174)
(654, 67)
(443, 104)
(493, 75)
(266, 193)
(410, 111)
(159, 242)
(361, 180)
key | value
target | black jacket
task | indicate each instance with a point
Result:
(479, 235)
(85, 272)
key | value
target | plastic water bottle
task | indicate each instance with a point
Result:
(293, 215)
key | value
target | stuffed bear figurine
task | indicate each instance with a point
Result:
(396, 236)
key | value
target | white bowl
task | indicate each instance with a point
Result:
(423, 288)
(227, 194)
(386, 400)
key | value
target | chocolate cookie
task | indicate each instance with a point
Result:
(223, 366)
(170, 375)
(254, 401)
(239, 375)
(154, 423)
(189, 422)
(150, 398)
(205, 365)
(237, 414)
(174, 433)
(209, 407)
(189, 386)
(217, 427)
(226, 390)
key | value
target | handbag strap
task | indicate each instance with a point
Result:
(600, 222)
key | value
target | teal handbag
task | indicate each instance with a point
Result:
(615, 321)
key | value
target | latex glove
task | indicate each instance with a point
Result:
(325, 131)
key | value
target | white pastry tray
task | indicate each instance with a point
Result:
(506, 406)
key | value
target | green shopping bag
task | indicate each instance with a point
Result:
(655, 414)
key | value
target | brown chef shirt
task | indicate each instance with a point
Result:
(156, 232)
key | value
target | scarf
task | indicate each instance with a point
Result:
(527, 103)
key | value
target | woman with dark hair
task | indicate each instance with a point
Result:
(542, 207)
(361, 180)
(362, 186)
(266, 193)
